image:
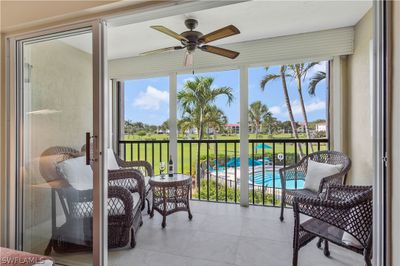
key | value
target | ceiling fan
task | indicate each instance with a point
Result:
(192, 39)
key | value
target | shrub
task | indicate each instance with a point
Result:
(230, 193)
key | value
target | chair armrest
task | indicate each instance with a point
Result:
(122, 194)
(336, 179)
(136, 164)
(339, 192)
(334, 212)
(131, 179)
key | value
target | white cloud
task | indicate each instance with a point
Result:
(151, 99)
(313, 106)
(275, 110)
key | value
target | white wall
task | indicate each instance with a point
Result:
(359, 106)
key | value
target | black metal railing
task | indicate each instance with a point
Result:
(217, 175)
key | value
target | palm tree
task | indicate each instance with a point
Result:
(299, 72)
(258, 112)
(283, 75)
(215, 118)
(196, 100)
(314, 80)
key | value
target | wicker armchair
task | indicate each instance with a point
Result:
(75, 234)
(145, 168)
(346, 209)
(299, 171)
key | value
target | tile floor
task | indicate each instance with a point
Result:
(222, 234)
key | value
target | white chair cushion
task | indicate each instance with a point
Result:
(351, 240)
(112, 162)
(77, 173)
(316, 171)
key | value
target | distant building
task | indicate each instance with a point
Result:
(320, 127)
(232, 128)
(301, 127)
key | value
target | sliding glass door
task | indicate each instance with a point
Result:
(60, 126)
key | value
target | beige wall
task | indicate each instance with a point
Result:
(396, 136)
(358, 137)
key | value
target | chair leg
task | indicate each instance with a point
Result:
(367, 258)
(282, 208)
(296, 240)
(326, 248)
(133, 240)
(319, 243)
(148, 205)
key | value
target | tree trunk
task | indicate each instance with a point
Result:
(200, 137)
(289, 107)
(303, 108)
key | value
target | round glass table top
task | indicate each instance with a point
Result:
(159, 179)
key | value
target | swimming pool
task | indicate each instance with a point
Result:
(269, 177)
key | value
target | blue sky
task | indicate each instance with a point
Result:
(147, 100)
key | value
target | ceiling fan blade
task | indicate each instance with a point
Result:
(219, 51)
(188, 61)
(173, 48)
(219, 34)
(169, 32)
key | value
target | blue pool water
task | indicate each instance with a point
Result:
(269, 180)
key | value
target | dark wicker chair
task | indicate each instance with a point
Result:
(345, 209)
(145, 168)
(299, 171)
(75, 234)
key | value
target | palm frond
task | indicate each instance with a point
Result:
(314, 80)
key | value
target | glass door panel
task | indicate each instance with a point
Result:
(57, 181)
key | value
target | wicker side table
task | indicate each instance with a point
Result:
(170, 194)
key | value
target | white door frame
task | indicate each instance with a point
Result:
(381, 135)
(15, 126)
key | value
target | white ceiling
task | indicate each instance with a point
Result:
(255, 19)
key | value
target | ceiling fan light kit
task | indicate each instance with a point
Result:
(191, 40)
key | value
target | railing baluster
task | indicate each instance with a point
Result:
(182, 170)
(138, 152)
(190, 159)
(208, 171)
(252, 165)
(167, 155)
(263, 175)
(160, 155)
(273, 174)
(152, 155)
(235, 160)
(226, 172)
(295, 161)
(199, 168)
(216, 171)
(131, 159)
(145, 151)
(306, 148)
